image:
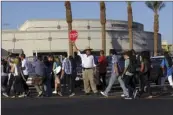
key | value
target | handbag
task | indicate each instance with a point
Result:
(57, 69)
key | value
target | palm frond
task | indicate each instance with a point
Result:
(129, 2)
(149, 4)
(155, 5)
(162, 5)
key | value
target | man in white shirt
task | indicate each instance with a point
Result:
(88, 66)
(25, 73)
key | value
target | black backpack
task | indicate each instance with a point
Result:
(132, 65)
(147, 66)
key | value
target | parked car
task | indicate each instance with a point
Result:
(156, 71)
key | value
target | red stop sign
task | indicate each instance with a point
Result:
(73, 35)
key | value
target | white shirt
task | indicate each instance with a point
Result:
(87, 61)
(24, 64)
(16, 70)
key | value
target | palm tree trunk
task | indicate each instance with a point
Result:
(130, 22)
(156, 29)
(69, 21)
(104, 38)
(70, 43)
(103, 23)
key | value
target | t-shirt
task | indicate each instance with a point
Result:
(24, 64)
(169, 69)
(66, 66)
(114, 61)
(102, 64)
(40, 68)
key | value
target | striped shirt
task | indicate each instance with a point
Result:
(67, 66)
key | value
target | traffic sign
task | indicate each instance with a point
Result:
(73, 35)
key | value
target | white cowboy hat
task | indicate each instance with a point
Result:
(88, 48)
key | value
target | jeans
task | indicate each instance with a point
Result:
(129, 83)
(163, 79)
(10, 83)
(18, 85)
(71, 83)
(25, 86)
(103, 77)
(112, 80)
(144, 81)
(48, 85)
(4, 80)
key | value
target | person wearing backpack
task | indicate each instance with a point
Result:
(129, 73)
(167, 69)
(145, 74)
(57, 74)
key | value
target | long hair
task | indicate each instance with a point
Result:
(145, 55)
(168, 58)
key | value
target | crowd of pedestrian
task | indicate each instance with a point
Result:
(15, 74)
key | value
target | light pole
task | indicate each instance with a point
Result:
(121, 43)
(50, 41)
(14, 42)
(89, 38)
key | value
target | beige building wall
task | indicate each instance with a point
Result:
(33, 36)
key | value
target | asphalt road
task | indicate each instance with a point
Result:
(87, 105)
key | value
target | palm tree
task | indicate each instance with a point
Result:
(130, 23)
(103, 23)
(155, 6)
(69, 21)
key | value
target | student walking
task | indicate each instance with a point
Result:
(167, 69)
(115, 75)
(57, 74)
(129, 72)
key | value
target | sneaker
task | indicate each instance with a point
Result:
(149, 97)
(135, 94)
(40, 94)
(22, 95)
(60, 94)
(71, 95)
(128, 98)
(123, 95)
(13, 97)
(104, 94)
(54, 92)
(5, 94)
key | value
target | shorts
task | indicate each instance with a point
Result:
(57, 75)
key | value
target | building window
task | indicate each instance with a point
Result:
(124, 26)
